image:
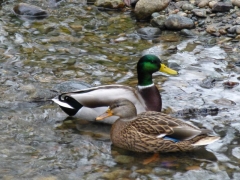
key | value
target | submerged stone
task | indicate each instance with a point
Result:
(29, 12)
(208, 83)
(187, 33)
(149, 32)
(224, 102)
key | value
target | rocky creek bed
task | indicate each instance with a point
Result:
(78, 44)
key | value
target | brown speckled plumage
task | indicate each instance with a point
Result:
(146, 132)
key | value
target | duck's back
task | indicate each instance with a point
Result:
(151, 132)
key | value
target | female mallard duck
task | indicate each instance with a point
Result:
(89, 103)
(152, 131)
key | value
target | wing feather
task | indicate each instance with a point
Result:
(158, 124)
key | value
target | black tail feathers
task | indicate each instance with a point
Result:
(72, 102)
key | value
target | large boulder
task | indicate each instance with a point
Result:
(145, 8)
(236, 2)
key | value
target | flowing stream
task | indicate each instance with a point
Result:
(79, 43)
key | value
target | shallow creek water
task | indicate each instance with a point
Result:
(78, 42)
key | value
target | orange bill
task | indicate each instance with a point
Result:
(108, 113)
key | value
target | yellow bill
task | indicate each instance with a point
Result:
(108, 113)
(167, 70)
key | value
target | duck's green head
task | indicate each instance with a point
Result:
(147, 65)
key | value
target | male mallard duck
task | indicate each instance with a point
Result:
(89, 103)
(152, 131)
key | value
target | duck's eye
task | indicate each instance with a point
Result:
(153, 62)
(117, 105)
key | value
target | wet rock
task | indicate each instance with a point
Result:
(224, 102)
(211, 29)
(222, 31)
(172, 48)
(187, 6)
(144, 8)
(200, 12)
(76, 26)
(201, 23)
(237, 20)
(187, 33)
(222, 7)
(203, 3)
(182, 14)
(116, 4)
(149, 32)
(232, 30)
(208, 83)
(156, 14)
(179, 4)
(30, 12)
(121, 39)
(237, 37)
(236, 2)
(159, 21)
(42, 95)
(176, 22)
(54, 3)
(212, 3)
(238, 29)
(230, 85)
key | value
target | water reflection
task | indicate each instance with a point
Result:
(81, 43)
(166, 164)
